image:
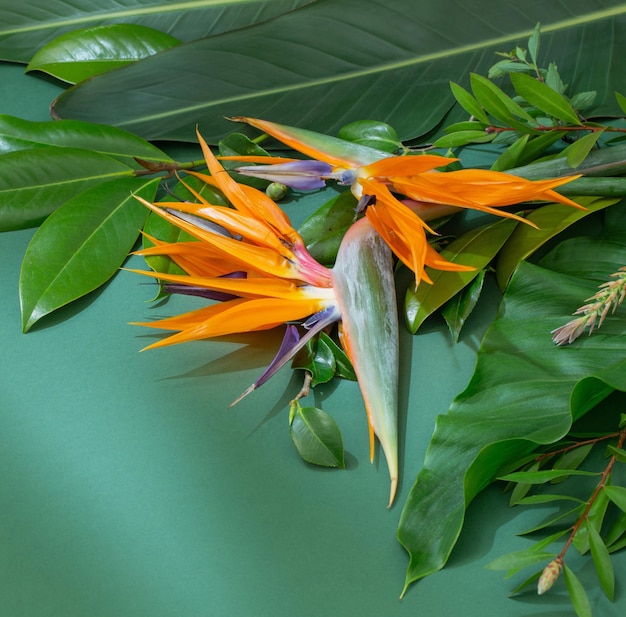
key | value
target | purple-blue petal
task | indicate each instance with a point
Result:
(304, 175)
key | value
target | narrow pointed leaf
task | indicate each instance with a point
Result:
(514, 562)
(577, 593)
(18, 134)
(460, 307)
(24, 31)
(84, 53)
(524, 392)
(81, 246)
(475, 248)
(550, 220)
(33, 183)
(577, 152)
(310, 59)
(544, 98)
(317, 437)
(547, 475)
(602, 561)
(617, 494)
(497, 103)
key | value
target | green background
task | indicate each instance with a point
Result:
(128, 488)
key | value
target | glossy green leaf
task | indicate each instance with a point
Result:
(24, 31)
(81, 246)
(544, 98)
(476, 248)
(33, 183)
(323, 230)
(333, 62)
(317, 437)
(374, 134)
(602, 561)
(343, 366)
(84, 53)
(550, 221)
(577, 593)
(617, 494)
(322, 365)
(460, 307)
(524, 392)
(17, 134)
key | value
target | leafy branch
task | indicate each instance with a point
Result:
(584, 533)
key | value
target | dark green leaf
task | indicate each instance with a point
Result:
(577, 594)
(237, 144)
(17, 134)
(343, 366)
(475, 248)
(618, 453)
(550, 221)
(617, 494)
(537, 145)
(544, 98)
(521, 489)
(317, 437)
(80, 54)
(24, 31)
(322, 368)
(390, 56)
(81, 245)
(602, 561)
(323, 230)
(33, 183)
(460, 307)
(524, 392)
(373, 134)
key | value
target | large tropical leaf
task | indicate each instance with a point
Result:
(336, 61)
(25, 29)
(525, 391)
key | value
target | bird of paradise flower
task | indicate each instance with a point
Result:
(251, 259)
(398, 193)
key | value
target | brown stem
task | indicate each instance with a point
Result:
(578, 444)
(605, 474)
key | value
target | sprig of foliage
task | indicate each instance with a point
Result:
(585, 533)
(540, 114)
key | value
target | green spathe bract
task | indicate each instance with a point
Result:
(365, 289)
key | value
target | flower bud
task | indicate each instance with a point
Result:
(549, 575)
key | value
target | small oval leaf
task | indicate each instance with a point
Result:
(373, 134)
(80, 54)
(317, 437)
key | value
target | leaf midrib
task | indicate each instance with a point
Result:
(390, 66)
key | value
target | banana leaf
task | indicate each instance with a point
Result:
(24, 31)
(525, 391)
(336, 61)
